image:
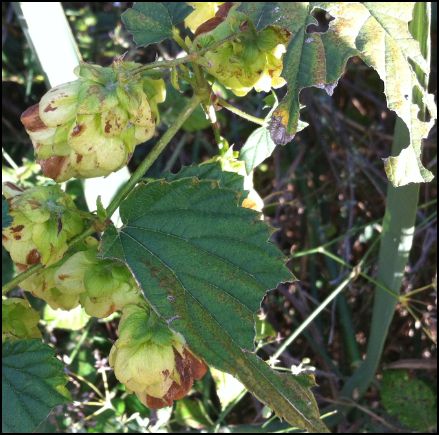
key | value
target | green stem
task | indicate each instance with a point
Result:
(396, 239)
(191, 57)
(239, 112)
(153, 154)
(20, 277)
(314, 314)
(135, 177)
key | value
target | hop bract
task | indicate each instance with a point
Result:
(44, 219)
(152, 360)
(19, 320)
(100, 286)
(253, 60)
(90, 127)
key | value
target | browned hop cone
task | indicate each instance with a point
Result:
(90, 127)
(152, 360)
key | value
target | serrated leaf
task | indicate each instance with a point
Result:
(258, 147)
(6, 217)
(204, 264)
(33, 383)
(178, 11)
(152, 22)
(148, 22)
(375, 31)
(210, 171)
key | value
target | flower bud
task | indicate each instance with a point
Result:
(90, 127)
(44, 219)
(152, 360)
(19, 320)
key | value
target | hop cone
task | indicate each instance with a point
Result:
(100, 286)
(90, 127)
(19, 320)
(152, 360)
(44, 219)
(252, 60)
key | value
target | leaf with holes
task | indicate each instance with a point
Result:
(33, 383)
(204, 264)
(152, 22)
(377, 32)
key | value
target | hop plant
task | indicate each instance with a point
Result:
(90, 127)
(109, 286)
(251, 60)
(152, 360)
(100, 286)
(19, 320)
(44, 219)
(202, 12)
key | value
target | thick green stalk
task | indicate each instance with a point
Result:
(396, 239)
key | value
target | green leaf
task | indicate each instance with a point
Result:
(375, 31)
(148, 22)
(257, 148)
(210, 171)
(178, 11)
(152, 22)
(410, 400)
(204, 264)
(33, 383)
(6, 217)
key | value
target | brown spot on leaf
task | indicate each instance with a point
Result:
(78, 129)
(63, 276)
(31, 120)
(17, 228)
(79, 158)
(33, 257)
(34, 204)
(50, 108)
(17, 237)
(108, 127)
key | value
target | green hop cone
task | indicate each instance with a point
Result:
(90, 127)
(152, 360)
(109, 286)
(19, 320)
(100, 286)
(253, 60)
(44, 219)
(60, 286)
